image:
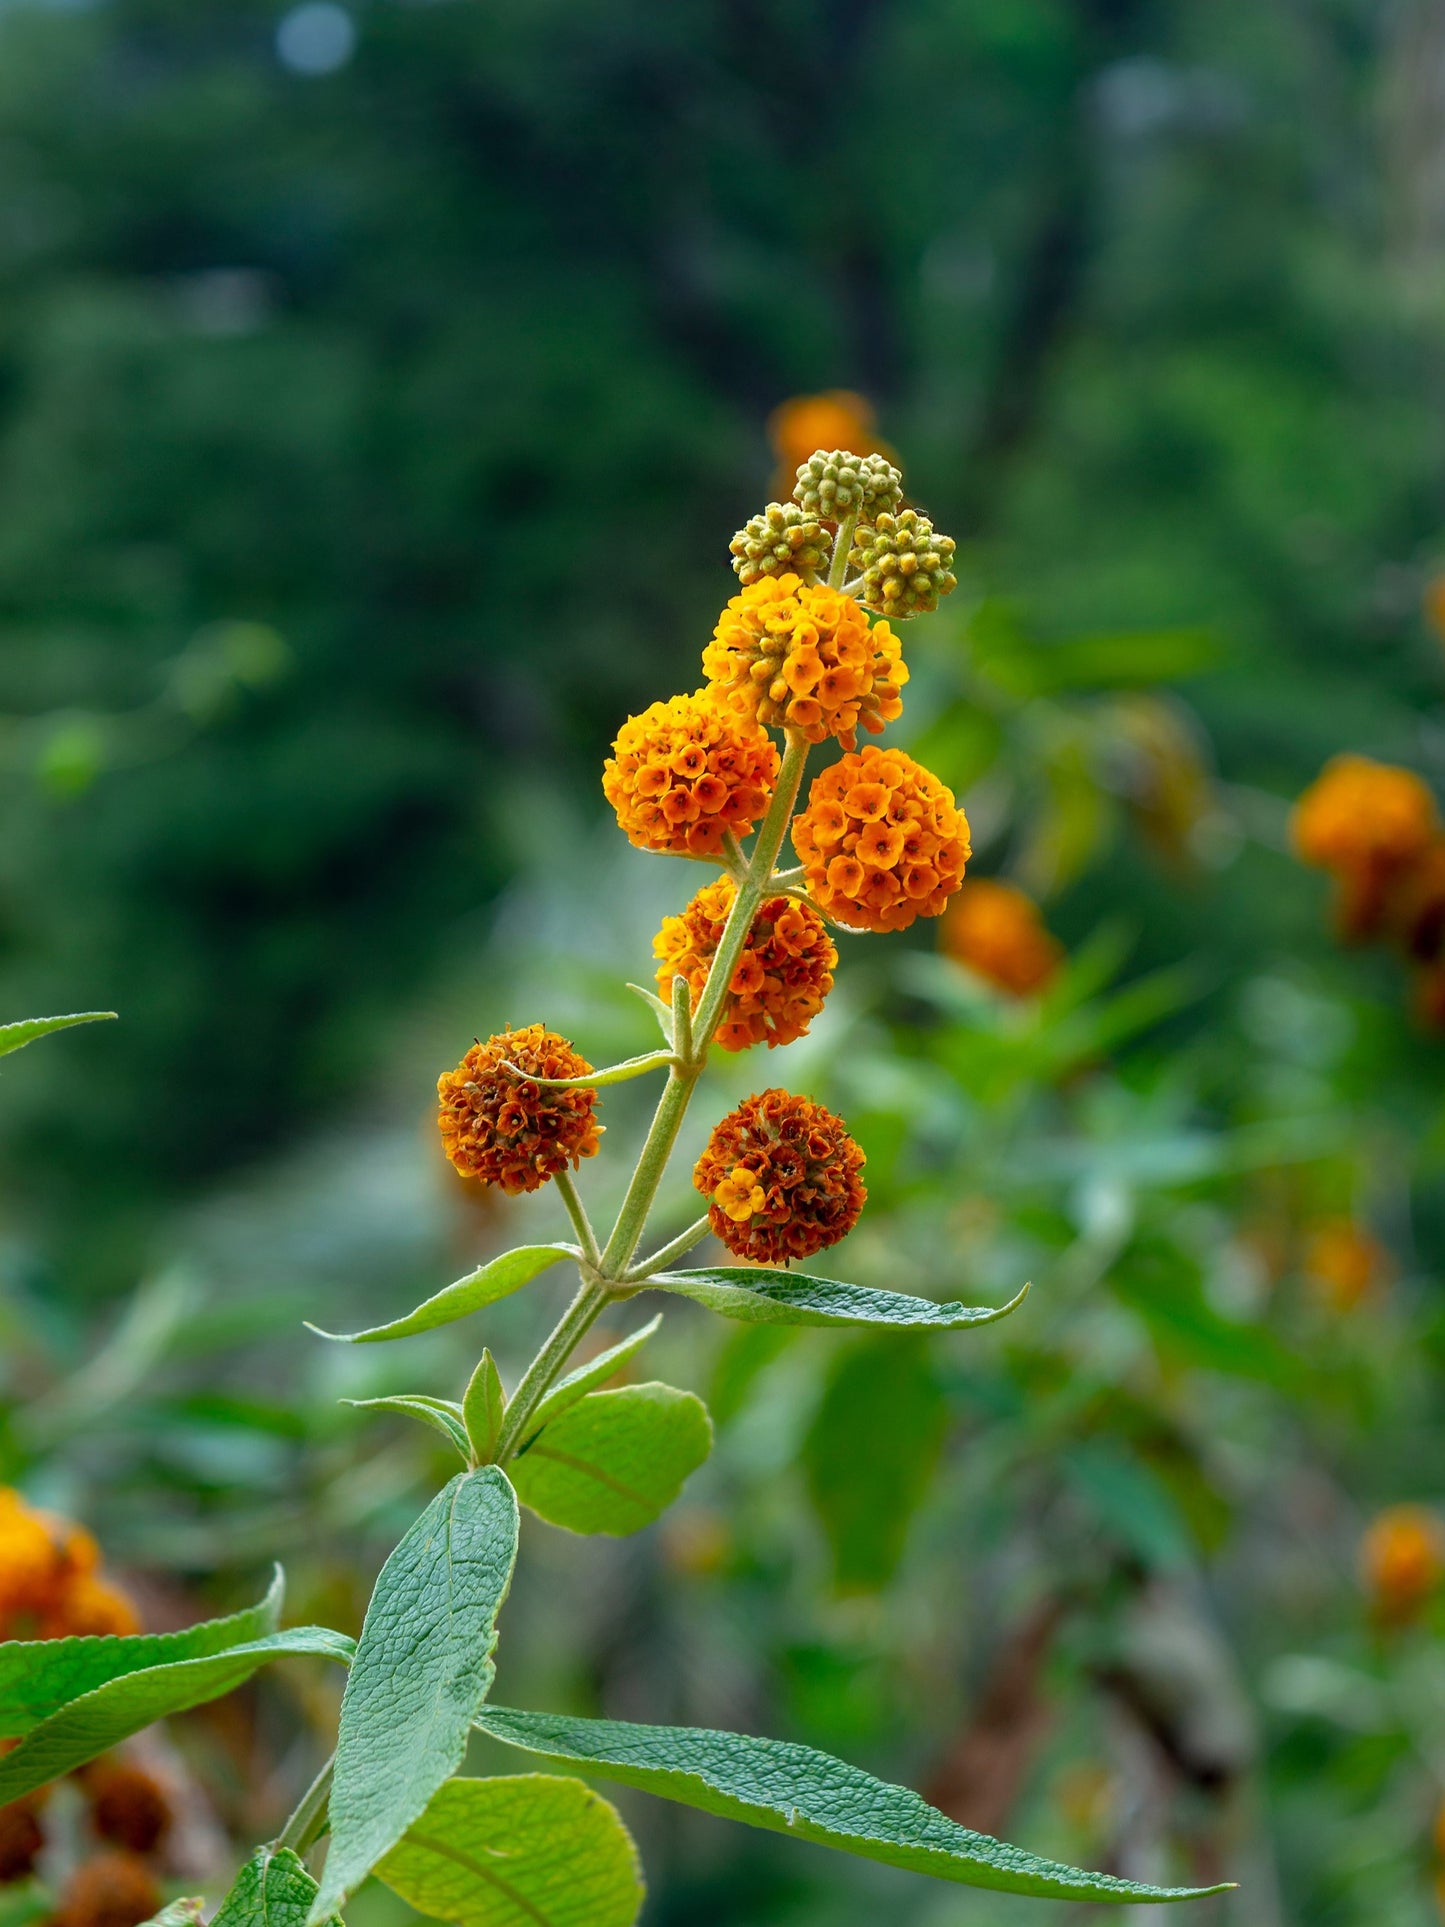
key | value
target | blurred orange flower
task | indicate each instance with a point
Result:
(1402, 1561)
(837, 418)
(1344, 1262)
(996, 930)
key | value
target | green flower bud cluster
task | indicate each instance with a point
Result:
(836, 485)
(783, 540)
(905, 565)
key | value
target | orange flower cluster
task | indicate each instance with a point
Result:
(1376, 829)
(1344, 1263)
(113, 1890)
(996, 930)
(1402, 1562)
(881, 841)
(781, 1178)
(796, 654)
(50, 1584)
(687, 770)
(508, 1130)
(783, 975)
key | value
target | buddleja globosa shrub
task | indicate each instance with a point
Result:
(880, 842)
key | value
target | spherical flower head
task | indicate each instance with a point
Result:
(1402, 1561)
(834, 484)
(506, 1129)
(784, 973)
(29, 1561)
(1359, 815)
(882, 841)
(1344, 1263)
(686, 771)
(781, 1178)
(995, 930)
(113, 1890)
(905, 566)
(801, 656)
(128, 1806)
(781, 541)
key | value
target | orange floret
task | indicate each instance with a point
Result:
(881, 840)
(505, 1129)
(799, 655)
(1402, 1561)
(784, 973)
(1363, 815)
(29, 1562)
(1344, 1262)
(781, 1178)
(687, 770)
(996, 930)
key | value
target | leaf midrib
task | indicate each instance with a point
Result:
(440, 1847)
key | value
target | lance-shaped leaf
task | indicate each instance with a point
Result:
(423, 1668)
(273, 1889)
(795, 1790)
(484, 1406)
(653, 1060)
(526, 1850)
(484, 1286)
(99, 1720)
(760, 1297)
(443, 1415)
(39, 1676)
(17, 1036)
(572, 1389)
(615, 1460)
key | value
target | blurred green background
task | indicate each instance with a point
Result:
(380, 385)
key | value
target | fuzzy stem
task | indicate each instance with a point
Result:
(842, 549)
(571, 1327)
(679, 1247)
(308, 1821)
(577, 1212)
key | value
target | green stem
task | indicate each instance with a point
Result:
(842, 549)
(307, 1822)
(572, 1326)
(577, 1212)
(679, 1247)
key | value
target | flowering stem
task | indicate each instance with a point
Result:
(679, 1247)
(572, 1326)
(577, 1212)
(306, 1823)
(842, 549)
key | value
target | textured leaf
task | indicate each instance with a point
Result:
(528, 1850)
(572, 1389)
(423, 1668)
(616, 1460)
(17, 1036)
(760, 1297)
(39, 1676)
(441, 1414)
(483, 1409)
(273, 1889)
(99, 1720)
(484, 1286)
(795, 1790)
(870, 1453)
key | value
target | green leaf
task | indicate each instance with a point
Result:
(870, 1454)
(569, 1391)
(273, 1889)
(99, 1720)
(485, 1286)
(526, 1850)
(17, 1036)
(443, 1415)
(615, 1460)
(39, 1676)
(423, 1668)
(26, 1906)
(760, 1297)
(180, 1913)
(483, 1408)
(795, 1790)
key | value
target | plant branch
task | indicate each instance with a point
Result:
(537, 1380)
(679, 1247)
(308, 1822)
(577, 1212)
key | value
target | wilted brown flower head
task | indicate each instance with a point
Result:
(507, 1130)
(128, 1806)
(113, 1890)
(780, 1174)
